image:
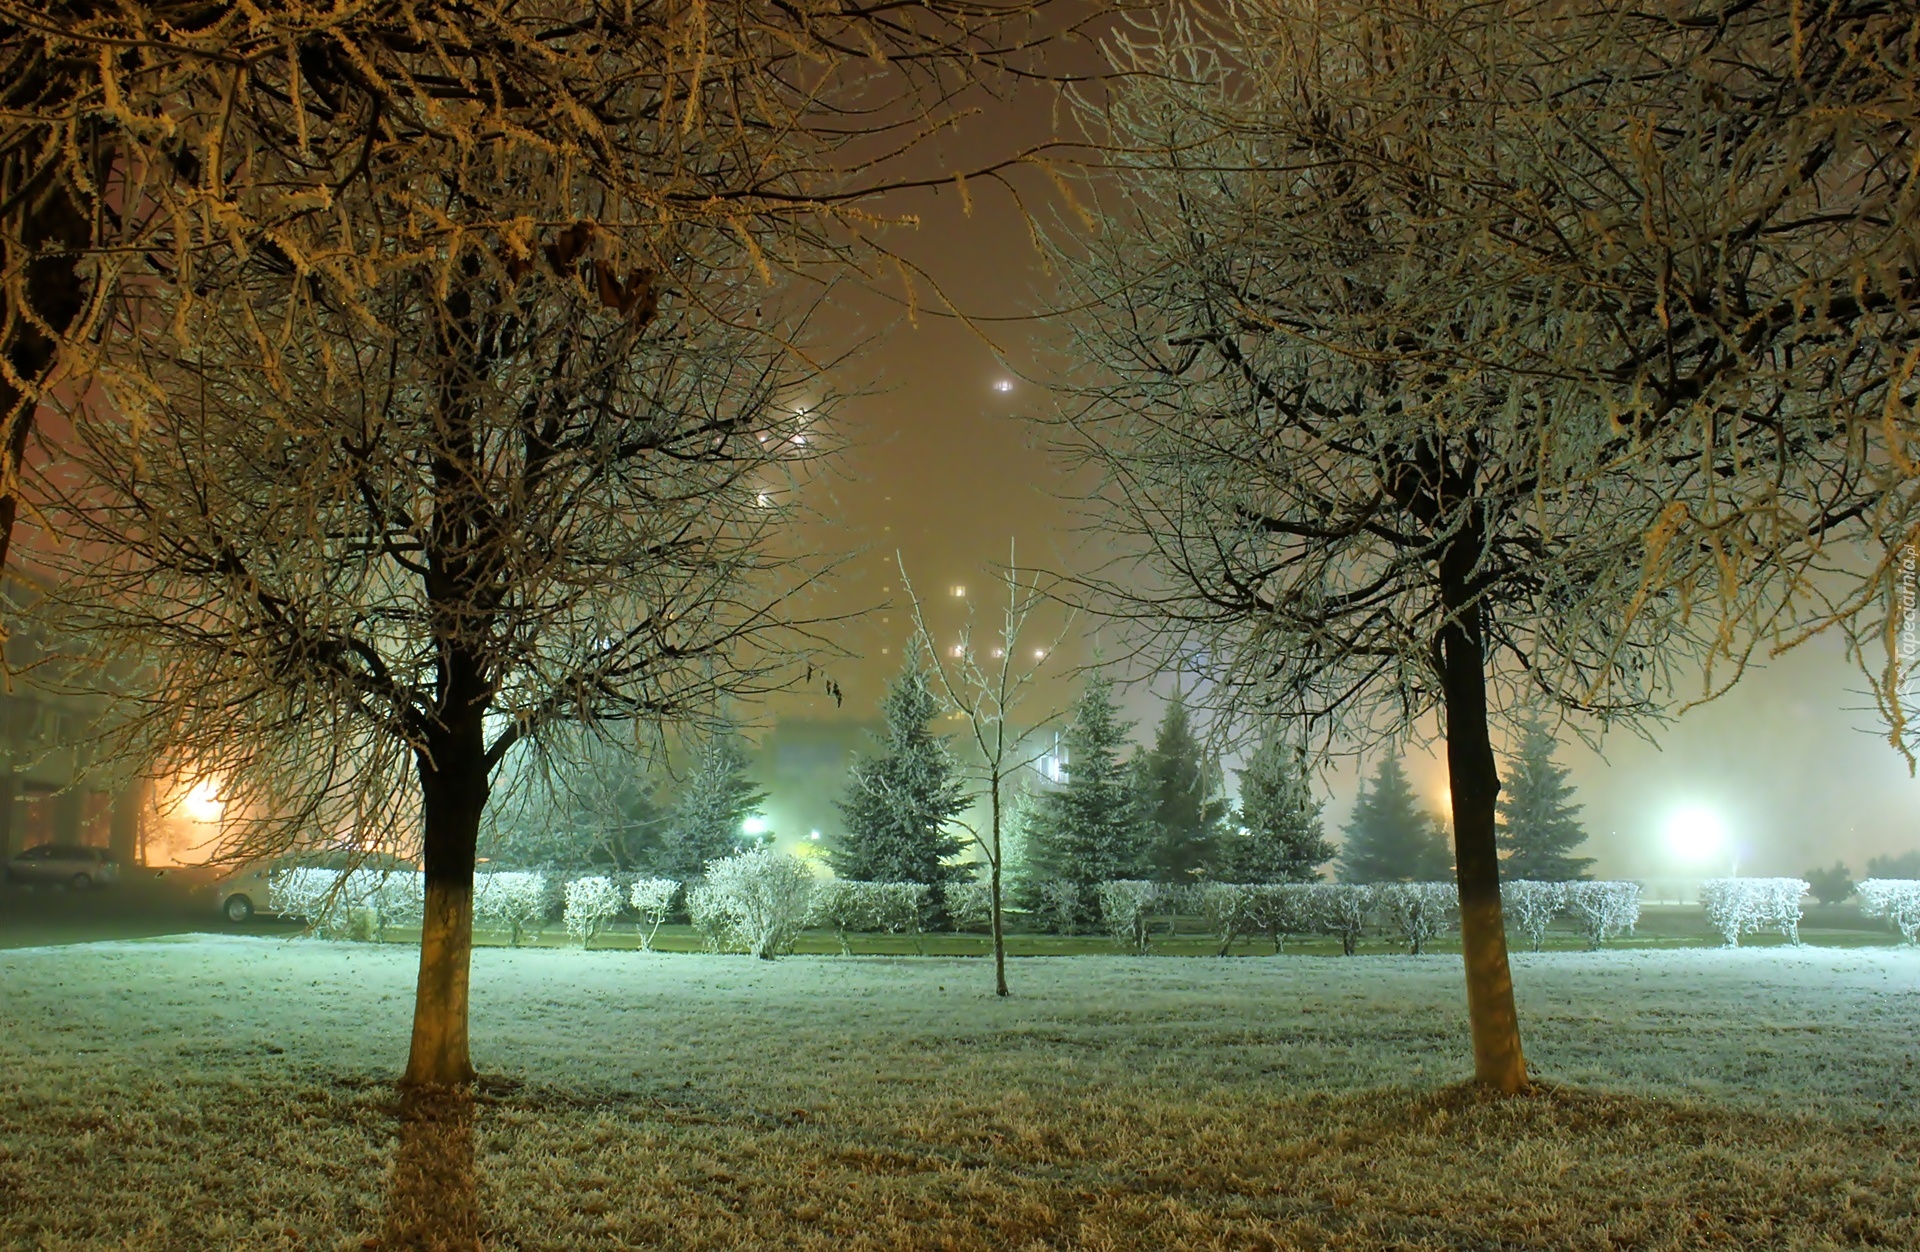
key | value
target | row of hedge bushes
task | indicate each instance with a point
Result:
(760, 901)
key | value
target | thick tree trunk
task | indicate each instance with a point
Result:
(993, 891)
(453, 795)
(1497, 1059)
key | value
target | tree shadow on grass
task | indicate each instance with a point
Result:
(432, 1195)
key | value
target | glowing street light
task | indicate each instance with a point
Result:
(814, 835)
(203, 803)
(1003, 386)
(754, 826)
(1696, 834)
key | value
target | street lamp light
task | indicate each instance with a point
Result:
(1696, 834)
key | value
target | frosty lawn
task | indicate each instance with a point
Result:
(243, 1096)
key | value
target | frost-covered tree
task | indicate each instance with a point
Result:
(1897, 900)
(1539, 823)
(758, 899)
(513, 900)
(989, 692)
(651, 900)
(1284, 910)
(1094, 828)
(847, 905)
(1532, 906)
(1344, 909)
(1603, 909)
(590, 806)
(481, 509)
(1186, 805)
(901, 801)
(1389, 837)
(137, 141)
(1127, 907)
(1281, 837)
(592, 903)
(1739, 906)
(431, 370)
(1419, 377)
(1420, 911)
(715, 799)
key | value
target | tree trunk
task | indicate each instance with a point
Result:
(453, 794)
(51, 224)
(993, 892)
(1497, 1059)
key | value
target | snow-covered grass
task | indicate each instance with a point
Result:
(210, 1091)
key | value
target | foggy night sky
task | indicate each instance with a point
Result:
(940, 466)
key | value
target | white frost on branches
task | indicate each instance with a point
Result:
(1532, 906)
(1420, 911)
(1344, 909)
(340, 903)
(1742, 906)
(757, 901)
(591, 904)
(849, 907)
(970, 905)
(1126, 905)
(1605, 909)
(511, 900)
(1897, 900)
(652, 900)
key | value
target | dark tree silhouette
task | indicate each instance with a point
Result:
(1540, 825)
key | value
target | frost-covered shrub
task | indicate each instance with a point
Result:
(708, 913)
(652, 900)
(839, 905)
(378, 898)
(1897, 900)
(1126, 904)
(1603, 909)
(1532, 906)
(1741, 906)
(1280, 909)
(1420, 911)
(359, 904)
(308, 894)
(848, 907)
(515, 901)
(761, 897)
(591, 904)
(1059, 906)
(970, 905)
(1228, 909)
(1344, 909)
(897, 907)
(403, 898)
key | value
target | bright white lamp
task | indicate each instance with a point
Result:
(202, 803)
(1696, 834)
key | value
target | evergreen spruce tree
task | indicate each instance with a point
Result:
(1095, 827)
(1538, 825)
(1285, 840)
(901, 801)
(704, 823)
(1185, 803)
(1389, 838)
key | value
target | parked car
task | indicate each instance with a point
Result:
(65, 865)
(241, 893)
